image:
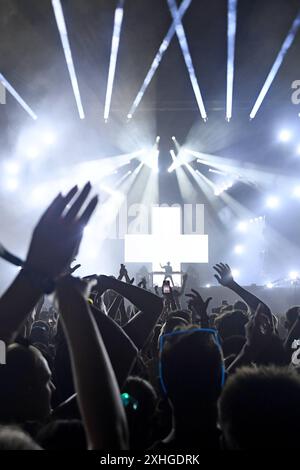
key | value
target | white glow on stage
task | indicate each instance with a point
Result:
(166, 243)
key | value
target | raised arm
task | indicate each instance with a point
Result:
(150, 306)
(55, 241)
(199, 308)
(184, 280)
(259, 332)
(96, 385)
(225, 278)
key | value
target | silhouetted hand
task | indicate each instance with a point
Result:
(122, 272)
(57, 236)
(72, 270)
(224, 276)
(199, 306)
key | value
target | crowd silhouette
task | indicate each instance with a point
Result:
(118, 366)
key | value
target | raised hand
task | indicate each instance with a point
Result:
(73, 269)
(224, 276)
(122, 272)
(199, 306)
(57, 236)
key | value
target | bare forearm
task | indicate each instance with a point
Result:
(141, 298)
(96, 385)
(250, 298)
(244, 358)
(15, 305)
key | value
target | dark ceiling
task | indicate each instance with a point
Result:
(32, 59)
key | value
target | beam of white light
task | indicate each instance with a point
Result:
(96, 170)
(61, 25)
(16, 95)
(187, 56)
(157, 59)
(176, 143)
(246, 172)
(231, 32)
(155, 161)
(175, 162)
(113, 56)
(220, 189)
(122, 179)
(182, 158)
(212, 170)
(275, 67)
(150, 158)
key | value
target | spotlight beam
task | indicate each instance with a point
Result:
(119, 12)
(231, 33)
(187, 56)
(275, 67)
(16, 95)
(61, 25)
(157, 59)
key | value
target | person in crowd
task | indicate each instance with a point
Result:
(168, 272)
(114, 366)
(259, 409)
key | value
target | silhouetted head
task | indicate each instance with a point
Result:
(63, 435)
(13, 438)
(259, 409)
(191, 366)
(140, 410)
(291, 316)
(25, 385)
(231, 324)
(239, 305)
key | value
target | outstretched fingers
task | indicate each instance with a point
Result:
(88, 212)
(77, 205)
